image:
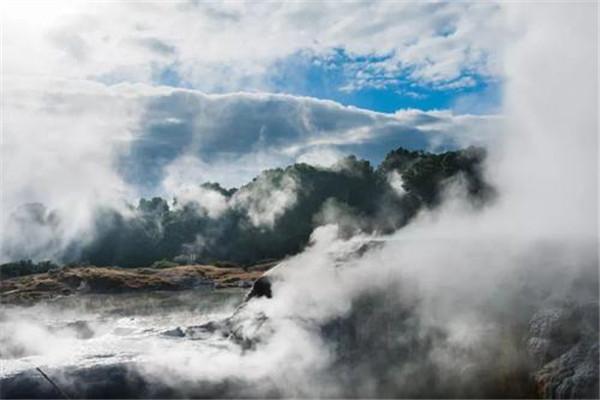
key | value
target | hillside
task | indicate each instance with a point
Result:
(269, 218)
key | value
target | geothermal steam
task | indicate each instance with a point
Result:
(454, 281)
(464, 277)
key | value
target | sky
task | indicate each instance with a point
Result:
(382, 56)
(129, 99)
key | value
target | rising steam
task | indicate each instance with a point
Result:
(456, 288)
(440, 307)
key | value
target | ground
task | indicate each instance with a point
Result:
(88, 279)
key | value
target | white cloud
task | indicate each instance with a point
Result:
(233, 45)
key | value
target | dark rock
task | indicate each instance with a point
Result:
(176, 332)
(119, 381)
(209, 329)
(563, 346)
(573, 375)
(261, 288)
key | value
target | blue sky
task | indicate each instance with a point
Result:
(305, 74)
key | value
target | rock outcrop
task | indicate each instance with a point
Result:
(563, 345)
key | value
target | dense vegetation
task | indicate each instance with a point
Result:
(25, 267)
(274, 215)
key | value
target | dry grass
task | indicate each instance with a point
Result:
(72, 280)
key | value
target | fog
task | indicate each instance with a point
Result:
(442, 307)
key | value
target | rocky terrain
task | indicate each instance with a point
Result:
(563, 346)
(557, 347)
(67, 281)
